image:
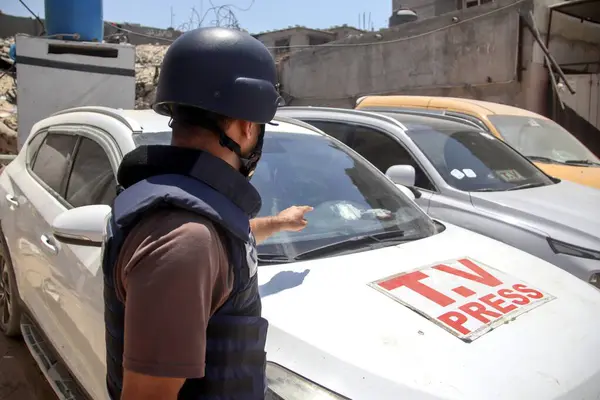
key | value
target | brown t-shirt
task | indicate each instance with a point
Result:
(173, 274)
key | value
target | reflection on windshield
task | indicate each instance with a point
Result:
(476, 161)
(350, 197)
(541, 139)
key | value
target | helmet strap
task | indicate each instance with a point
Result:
(250, 161)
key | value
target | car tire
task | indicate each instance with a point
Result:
(10, 309)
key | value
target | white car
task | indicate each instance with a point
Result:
(373, 300)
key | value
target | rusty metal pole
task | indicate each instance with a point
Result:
(530, 22)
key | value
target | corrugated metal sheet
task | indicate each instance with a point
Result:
(586, 100)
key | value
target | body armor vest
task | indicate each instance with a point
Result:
(236, 333)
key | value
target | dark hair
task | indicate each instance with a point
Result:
(183, 117)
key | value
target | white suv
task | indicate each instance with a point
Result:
(373, 300)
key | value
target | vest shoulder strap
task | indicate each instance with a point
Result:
(180, 191)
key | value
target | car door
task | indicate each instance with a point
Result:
(77, 275)
(71, 168)
(381, 148)
(17, 213)
(37, 193)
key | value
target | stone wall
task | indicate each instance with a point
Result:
(467, 57)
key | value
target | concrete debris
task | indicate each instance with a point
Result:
(147, 68)
(8, 100)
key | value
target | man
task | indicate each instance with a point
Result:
(182, 309)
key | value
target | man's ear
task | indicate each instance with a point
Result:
(246, 128)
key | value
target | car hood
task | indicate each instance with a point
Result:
(562, 210)
(329, 324)
(584, 175)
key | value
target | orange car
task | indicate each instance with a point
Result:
(551, 147)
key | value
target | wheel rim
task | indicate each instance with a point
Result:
(5, 299)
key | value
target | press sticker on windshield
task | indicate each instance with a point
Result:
(463, 296)
(457, 174)
(469, 173)
(510, 175)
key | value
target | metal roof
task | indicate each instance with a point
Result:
(587, 10)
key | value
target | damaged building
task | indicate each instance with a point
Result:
(494, 51)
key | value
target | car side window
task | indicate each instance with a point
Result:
(92, 180)
(337, 130)
(53, 160)
(33, 147)
(469, 118)
(383, 152)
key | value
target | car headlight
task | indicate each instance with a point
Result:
(595, 280)
(571, 250)
(283, 384)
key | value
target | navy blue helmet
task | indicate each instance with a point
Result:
(224, 71)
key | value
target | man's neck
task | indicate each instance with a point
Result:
(213, 147)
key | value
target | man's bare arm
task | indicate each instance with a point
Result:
(290, 219)
(139, 386)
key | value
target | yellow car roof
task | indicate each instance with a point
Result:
(467, 105)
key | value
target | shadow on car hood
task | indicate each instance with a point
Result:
(331, 323)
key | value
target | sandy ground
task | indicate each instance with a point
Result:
(20, 378)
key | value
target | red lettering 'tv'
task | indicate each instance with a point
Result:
(480, 275)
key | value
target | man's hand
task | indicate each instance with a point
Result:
(291, 219)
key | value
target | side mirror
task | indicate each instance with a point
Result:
(409, 193)
(402, 175)
(82, 226)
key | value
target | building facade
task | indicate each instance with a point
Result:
(433, 8)
(283, 40)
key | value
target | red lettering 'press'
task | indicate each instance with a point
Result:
(479, 312)
(455, 320)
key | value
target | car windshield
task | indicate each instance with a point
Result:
(472, 160)
(542, 139)
(351, 198)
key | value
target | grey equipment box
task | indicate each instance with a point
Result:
(53, 75)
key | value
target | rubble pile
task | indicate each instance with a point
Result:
(8, 100)
(147, 66)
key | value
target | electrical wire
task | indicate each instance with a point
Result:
(35, 16)
(365, 44)
(402, 39)
(224, 16)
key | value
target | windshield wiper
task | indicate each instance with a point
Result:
(585, 162)
(485, 190)
(371, 241)
(526, 186)
(273, 259)
(543, 159)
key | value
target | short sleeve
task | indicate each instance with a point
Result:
(174, 275)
